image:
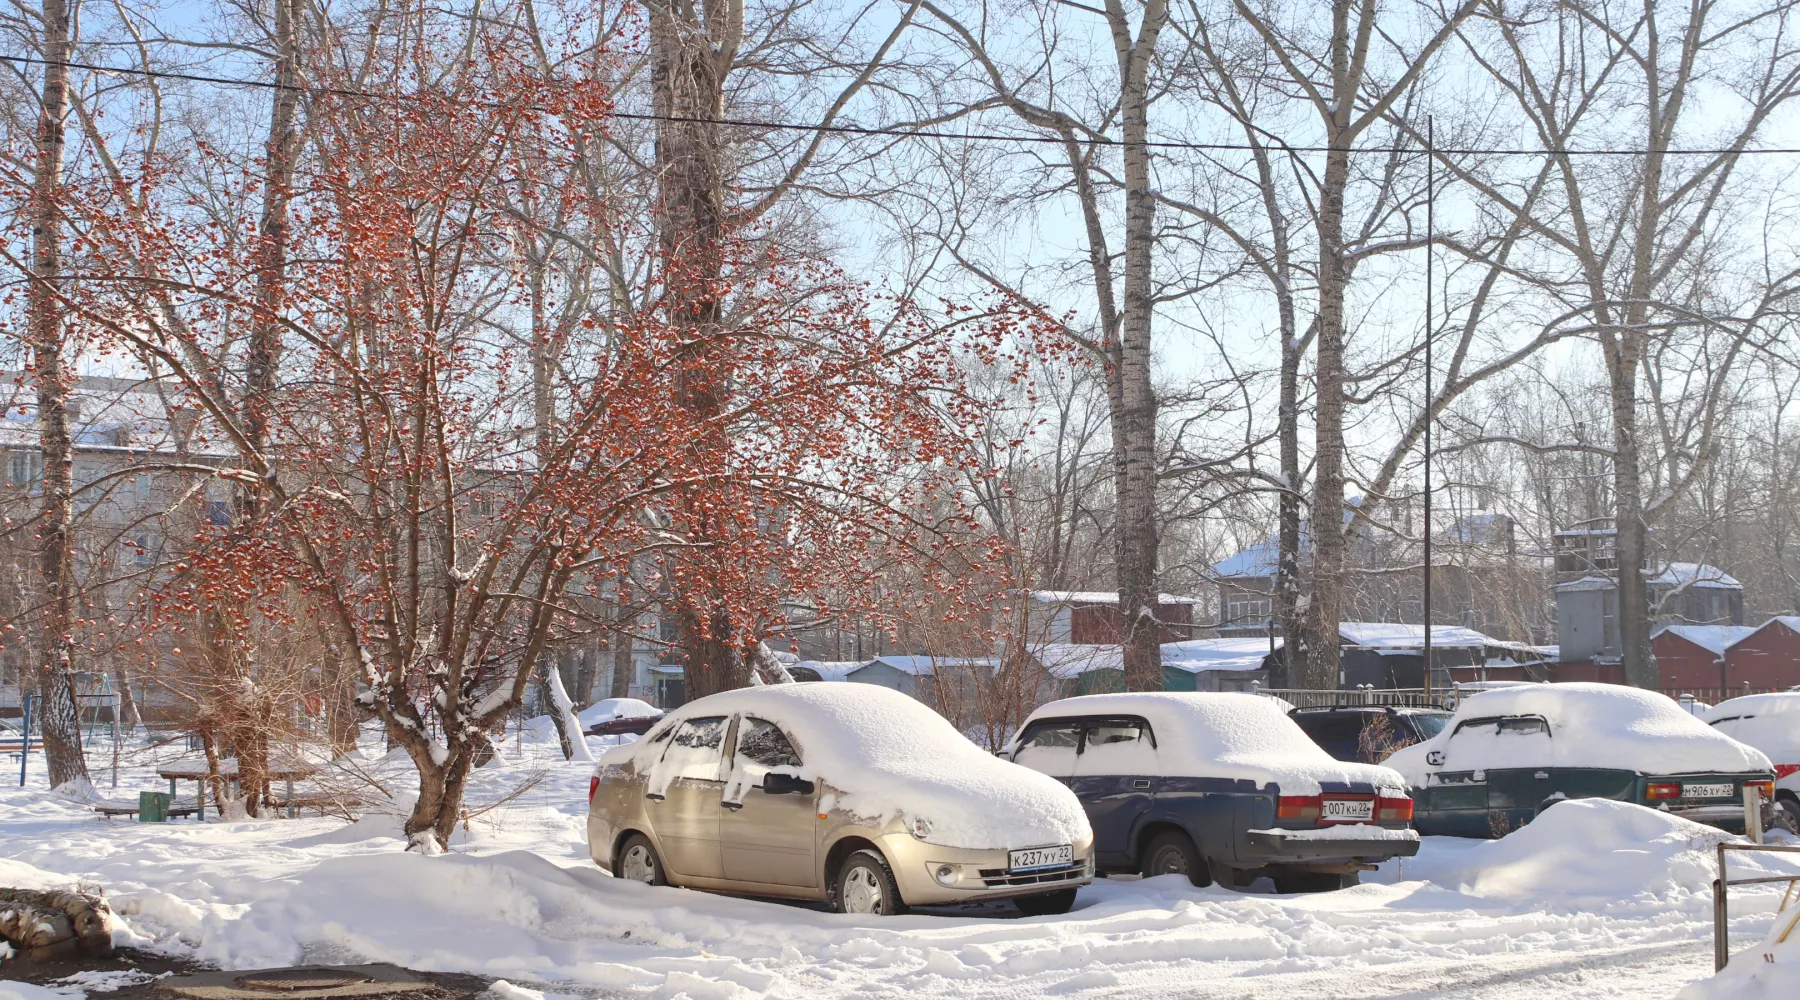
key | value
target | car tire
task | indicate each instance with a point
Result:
(865, 885)
(1046, 904)
(1787, 815)
(638, 862)
(1172, 852)
(1298, 882)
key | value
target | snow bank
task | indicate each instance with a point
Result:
(887, 756)
(608, 709)
(1228, 735)
(1591, 725)
(1769, 971)
(1768, 722)
(14, 990)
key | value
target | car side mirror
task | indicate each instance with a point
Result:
(775, 783)
(1434, 757)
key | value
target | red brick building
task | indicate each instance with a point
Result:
(1092, 617)
(1694, 656)
(1769, 657)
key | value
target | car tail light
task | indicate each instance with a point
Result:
(1764, 788)
(593, 786)
(1658, 790)
(1305, 808)
(1393, 810)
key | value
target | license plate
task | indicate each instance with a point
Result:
(1346, 810)
(1040, 857)
(1724, 791)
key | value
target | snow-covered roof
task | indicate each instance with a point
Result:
(1768, 722)
(1227, 735)
(1198, 655)
(1591, 725)
(1398, 635)
(831, 670)
(1715, 639)
(1687, 574)
(886, 756)
(1068, 660)
(1589, 582)
(1098, 597)
(925, 666)
(118, 414)
(1260, 559)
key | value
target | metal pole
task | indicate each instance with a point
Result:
(25, 739)
(1430, 227)
(1721, 951)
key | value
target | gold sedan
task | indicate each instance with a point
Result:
(847, 793)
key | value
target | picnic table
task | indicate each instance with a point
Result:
(288, 771)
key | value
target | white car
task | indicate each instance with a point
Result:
(1770, 723)
(850, 794)
(1217, 786)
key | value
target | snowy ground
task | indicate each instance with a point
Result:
(1593, 900)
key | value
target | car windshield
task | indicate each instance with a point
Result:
(1430, 724)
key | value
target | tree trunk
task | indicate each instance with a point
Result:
(264, 352)
(549, 682)
(623, 667)
(1329, 542)
(1286, 599)
(1134, 404)
(689, 62)
(59, 714)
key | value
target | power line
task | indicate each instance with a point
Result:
(1090, 138)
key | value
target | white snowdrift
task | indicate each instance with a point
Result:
(1591, 725)
(1769, 971)
(1768, 722)
(1228, 735)
(1583, 853)
(888, 755)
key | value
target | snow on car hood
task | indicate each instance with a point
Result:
(1768, 722)
(1591, 725)
(889, 756)
(1228, 735)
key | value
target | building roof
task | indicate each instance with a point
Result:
(1401, 636)
(831, 670)
(1098, 597)
(107, 414)
(1714, 639)
(1676, 574)
(1200, 655)
(925, 666)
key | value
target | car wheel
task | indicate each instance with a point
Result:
(865, 885)
(1787, 815)
(1296, 882)
(638, 862)
(1171, 852)
(1046, 904)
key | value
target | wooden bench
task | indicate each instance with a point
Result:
(123, 809)
(321, 801)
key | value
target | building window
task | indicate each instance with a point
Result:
(1243, 607)
(27, 469)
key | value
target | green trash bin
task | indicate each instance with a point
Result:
(153, 807)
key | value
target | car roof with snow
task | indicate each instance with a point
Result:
(1227, 735)
(1589, 725)
(1768, 722)
(885, 753)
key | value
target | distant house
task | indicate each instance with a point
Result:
(1392, 655)
(1694, 655)
(1768, 657)
(916, 675)
(1681, 593)
(1092, 617)
(1482, 576)
(1228, 664)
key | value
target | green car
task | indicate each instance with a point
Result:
(1509, 754)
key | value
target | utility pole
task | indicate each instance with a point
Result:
(1430, 417)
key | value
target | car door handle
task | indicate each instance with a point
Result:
(1140, 782)
(652, 796)
(1542, 776)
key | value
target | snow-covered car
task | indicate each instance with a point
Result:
(1216, 787)
(1508, 754)
(1770, 723)
(848, 793)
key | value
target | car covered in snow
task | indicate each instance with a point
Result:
(618, 717)
(1216, 786)
(851, 794)
(1770, 723)
(1508, 754)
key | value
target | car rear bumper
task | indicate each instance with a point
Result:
(981, 874)
(1277, 846)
